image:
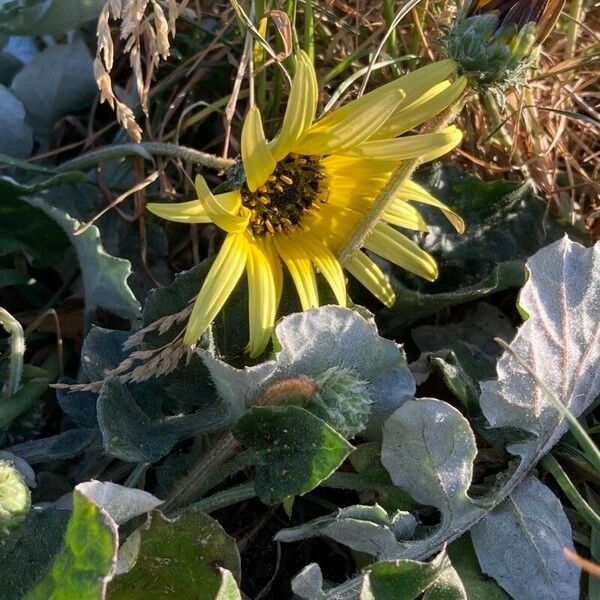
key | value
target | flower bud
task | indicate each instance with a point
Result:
(15, 498)
(342, 400)
(492, 39)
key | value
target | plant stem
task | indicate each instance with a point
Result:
(575, 12)
(146, 150)
(582, 507)
(233, 495)
(27, 395)
(309, 30)
(390, 191)
(207, 467)
(17, 350)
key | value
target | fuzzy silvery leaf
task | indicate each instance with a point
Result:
(428, 449)
(127, 431)
(308, 584)
(521, 542)
(56, 447)
(120, 502)
(17, 138)
(311, 343)
(559, 341)
(59, 80)
(368, 529)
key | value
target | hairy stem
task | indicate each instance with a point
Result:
(206, 468)
(146, 150)
(233, 495)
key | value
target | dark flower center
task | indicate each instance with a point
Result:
(297, 183)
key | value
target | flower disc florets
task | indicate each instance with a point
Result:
(297, 183)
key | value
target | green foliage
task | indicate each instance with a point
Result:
(17, 138)
(488, 258)
(27, 553)
(408, 579)
(297, 450)
(128, 433)
(48, 17)
(59, 80)
(182, 556)
(86, 561)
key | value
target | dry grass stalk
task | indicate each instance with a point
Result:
(145, 29)
(154, 363)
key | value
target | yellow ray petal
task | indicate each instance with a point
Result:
(371, 276)
(256, 156)
(350, 125)
(225, 210)
(405, 215)
(301, 108)
(301, 270)
(327, 264)
(268, 249)
(218, 285)
(397, 248)
(262, 299)
(426, 107)
(413, 191)
(428, 146)
(417, 83)
(182, 212)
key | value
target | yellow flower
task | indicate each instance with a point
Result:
(307, 189)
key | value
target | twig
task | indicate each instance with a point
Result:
(146, 149)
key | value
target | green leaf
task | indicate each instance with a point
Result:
(15, 498)
(104, 276)
(17, 137)
(428, 449)
(56, 82)
(313, 342)
(24, 229)
(46, 17)
(229, 589)
(477, 585)
(128, 433)
(409, 579)
(505, 224)
(477, 328)
(297, 450)
(56, 447)
(559, 342)
(533, 525)
(182, 556)
(27, 553)
(85, 563)
(368, 529)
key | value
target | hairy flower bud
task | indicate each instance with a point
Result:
(15, 498)
(492, 39)
(342, 400)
